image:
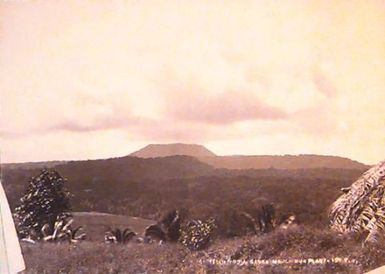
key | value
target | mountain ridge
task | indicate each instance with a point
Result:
(248, 161)
(204, 155)
(303, 161)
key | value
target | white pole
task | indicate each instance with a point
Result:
(11, 258)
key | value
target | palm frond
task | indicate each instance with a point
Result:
(361, 207)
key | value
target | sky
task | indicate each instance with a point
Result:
(100, 79)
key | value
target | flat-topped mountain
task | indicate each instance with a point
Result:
(164, 150)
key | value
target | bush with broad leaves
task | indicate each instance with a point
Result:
(197, 234)
(46, 201)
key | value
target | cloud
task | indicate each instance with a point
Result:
(10, 134)
(224, 108)
(324, 84)
(102, 123)
(317, 121)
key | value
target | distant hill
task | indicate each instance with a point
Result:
(163, 150)
(282, 162)
(112, 179)
(248, 162)
(33, 165)
(126, 168)
(122, 168)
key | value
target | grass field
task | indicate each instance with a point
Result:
(294, 243)
(95, 224)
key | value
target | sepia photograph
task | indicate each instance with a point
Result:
(192, 136)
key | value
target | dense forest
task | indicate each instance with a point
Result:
(149, 187)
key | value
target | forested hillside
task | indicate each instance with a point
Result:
(148, 187)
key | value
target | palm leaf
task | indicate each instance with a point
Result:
(361, 207)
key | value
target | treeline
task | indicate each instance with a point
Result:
(219, 193)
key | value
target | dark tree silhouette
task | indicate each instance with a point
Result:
(171, 224)
(167, 229)
(266, 218)
(46, 201)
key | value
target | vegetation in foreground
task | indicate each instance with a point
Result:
(294, 243)
(229, 244)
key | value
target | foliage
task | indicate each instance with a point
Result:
(266, 219)
(360, 210)
(306, 193)
(62, 231)
(154, 233)
(167, 229)
(119, 236)
(302, 242)
(197, 234)
(250, 219)
(171, 224)
(46, 201)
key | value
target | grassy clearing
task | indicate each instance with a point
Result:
(96, 223)
(295, 243)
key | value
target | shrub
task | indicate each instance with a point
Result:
(46, 201)
(119, 236)
(62, 231)
(171, 224)
(233, 222)
(197, 234)
(167, 229)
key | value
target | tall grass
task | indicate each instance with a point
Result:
(296, 243)
(91, 257)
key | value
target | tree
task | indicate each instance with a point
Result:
(46, 201)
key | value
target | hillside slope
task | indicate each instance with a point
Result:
(32, 165)
(110, 178)
(282, 162)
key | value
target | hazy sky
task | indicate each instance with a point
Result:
(96, 79)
